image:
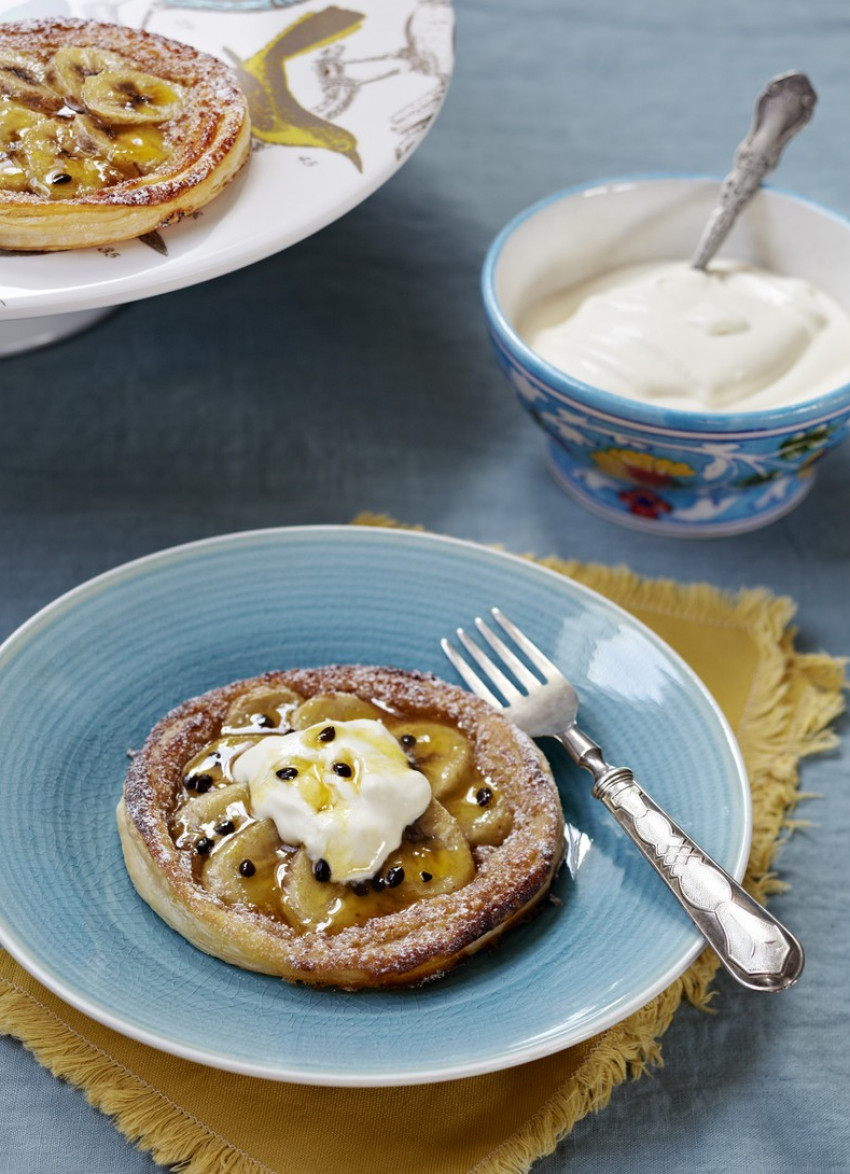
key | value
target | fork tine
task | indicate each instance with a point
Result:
(469, 675)
(520, 671)
(537, 658)
(505, 686)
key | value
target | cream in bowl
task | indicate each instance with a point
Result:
(732, 336)
(690, 402)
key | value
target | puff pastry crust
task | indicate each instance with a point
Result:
(108, 133)
(512, 872)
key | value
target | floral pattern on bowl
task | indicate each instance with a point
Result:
(683, 485)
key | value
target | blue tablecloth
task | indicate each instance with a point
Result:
(352, 372)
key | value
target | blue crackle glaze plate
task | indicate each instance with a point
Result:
(86, 678)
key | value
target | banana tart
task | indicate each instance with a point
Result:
(348, 826)
(107, 133)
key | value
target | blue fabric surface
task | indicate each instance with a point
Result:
(353, 372)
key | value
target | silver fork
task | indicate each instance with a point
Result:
(753, 946)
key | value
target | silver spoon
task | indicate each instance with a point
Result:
(784, 107)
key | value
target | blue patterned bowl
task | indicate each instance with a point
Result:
(671, 471)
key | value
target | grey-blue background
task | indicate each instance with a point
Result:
(353, 372)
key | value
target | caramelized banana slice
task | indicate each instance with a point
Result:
(201, 816)
(71, 66)
(127, 96)
(334, 707)
(309, 903)
(23, 80)
(442, 754)
(13, 177)
(213, 766)
(241, 867)
(483, 814)
(15, 120)
(134, 150)
(433, 858)
(47, 153)
(263, 709)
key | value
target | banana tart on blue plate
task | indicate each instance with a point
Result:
(108, 133)
(349, 826)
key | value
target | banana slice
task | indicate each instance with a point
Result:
(47, 154)
(442, 754)
(23, 80)
(482, 813)
(137, 150)
(262, 708)
(308, 903)
(201, 816)
(334, 707)
(13, 177)
(434, 858)
(134, 150)
(71, 66)
(127, 96)
(15, 120)
(241, 867)
(434, 855)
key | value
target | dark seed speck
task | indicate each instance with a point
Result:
(426, 876)
(342, 769)
(322, 871)
(395, 876)
(483, 796)
(327, 734)
(287, 772)
(247, 868)
(408, 740)
(262, 719)
(204, 845)
(200, 783)
(225, 827)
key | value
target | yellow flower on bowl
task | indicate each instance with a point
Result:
(627, 465)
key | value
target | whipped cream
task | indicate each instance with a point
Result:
(344, 790)
(731, 336)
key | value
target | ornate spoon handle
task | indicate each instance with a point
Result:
(783, 108)
(754, 947)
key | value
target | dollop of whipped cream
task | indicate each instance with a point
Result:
(732, 336)
(344, 790)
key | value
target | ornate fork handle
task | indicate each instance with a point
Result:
(749, 941)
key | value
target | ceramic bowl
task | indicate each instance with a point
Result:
(673, 471)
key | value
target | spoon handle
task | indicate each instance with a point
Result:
(783, 108)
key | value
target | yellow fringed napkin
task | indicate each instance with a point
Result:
(780, 704)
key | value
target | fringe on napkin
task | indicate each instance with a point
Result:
(146, 1117)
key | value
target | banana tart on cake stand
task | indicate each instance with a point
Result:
(191, 140)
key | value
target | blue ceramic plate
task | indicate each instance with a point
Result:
(87, 677)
